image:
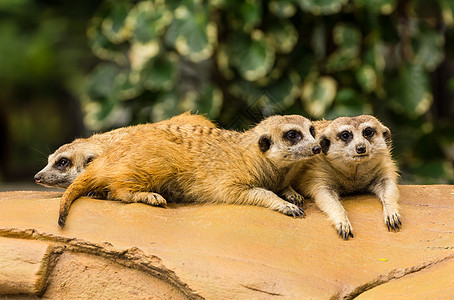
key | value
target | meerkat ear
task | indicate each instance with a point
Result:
(387, 136)
(264, 143)
(325, 143)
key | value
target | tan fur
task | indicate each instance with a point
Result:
(340, 170)
(202, 164)
(80, 152)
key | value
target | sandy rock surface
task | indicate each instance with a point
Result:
(111, 250)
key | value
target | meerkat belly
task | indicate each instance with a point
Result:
(359, 181)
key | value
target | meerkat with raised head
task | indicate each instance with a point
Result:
(200, 164)
(356, 157)
(71, 159)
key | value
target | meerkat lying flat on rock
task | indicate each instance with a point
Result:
(356, 158)
(200, 164)
(70, 160)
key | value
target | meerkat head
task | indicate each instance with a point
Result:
(356, 139)
(67, 162)
(287, 139)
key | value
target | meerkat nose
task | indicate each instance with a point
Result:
(360, 149)
(38, 177)
(317, 149)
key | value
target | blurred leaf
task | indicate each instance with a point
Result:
(253, 57)
(160, 74)
(349, 103)
(222, 59)
(283, 36)
(411, 91)
(251, 14)
(285, 91)
(321, 7)
(384, 7)
(192, 34)
(126, 89)
(367, 78)
(374, 57)
(147, 22)
(165, 106)
(342, 59)
(433, 172)
(318, 95)
(347, 36)
(282, 8)
(113, 25)
(101, 46)
(208, 101)
(140, 54)
(101, 82)
(430, 52)
(447, 7)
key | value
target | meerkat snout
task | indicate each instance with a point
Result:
(361, 149)
(38, 178)
(317, 149)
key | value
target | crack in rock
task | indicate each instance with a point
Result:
(261, 291)
(393, 275)
(133, 258)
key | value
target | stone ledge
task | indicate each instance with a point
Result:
(227, 251)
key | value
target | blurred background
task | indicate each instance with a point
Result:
(71, 68)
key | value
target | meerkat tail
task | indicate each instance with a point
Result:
(80, 187)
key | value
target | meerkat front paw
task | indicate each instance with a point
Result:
(292, 210)
(392, 220)
(344, 229)
(150, 198)
(290, 195)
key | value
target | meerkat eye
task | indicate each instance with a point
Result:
(345, 135)
(293, 135)
(62, 163)
(368, 132)
(312, 131)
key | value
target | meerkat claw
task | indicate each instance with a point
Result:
(345, 234)
(393, 223)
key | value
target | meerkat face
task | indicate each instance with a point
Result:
(64, 166)
(287, 139)
(355, 140)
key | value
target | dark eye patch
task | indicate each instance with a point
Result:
(345, 135)
(293, 136)
(62, 163)
(89, 160)
(368, 132)
(312, 131)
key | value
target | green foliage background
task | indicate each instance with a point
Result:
(238, 61)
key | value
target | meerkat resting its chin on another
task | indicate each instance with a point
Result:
(356, 158)
(70, 160)
(200, 164)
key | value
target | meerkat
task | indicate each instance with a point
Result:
(200, 164)
(356, 157)
(70, 160)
